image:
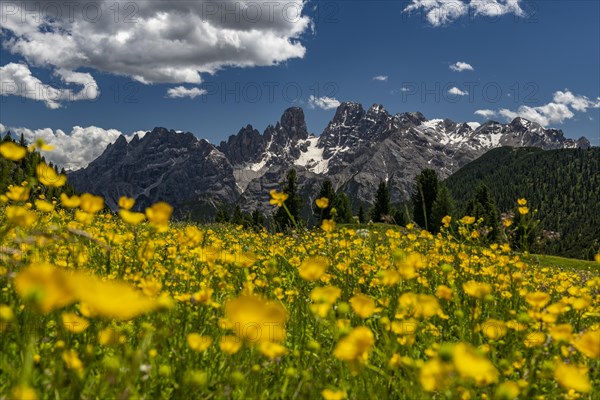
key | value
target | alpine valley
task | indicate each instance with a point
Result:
(357, 150)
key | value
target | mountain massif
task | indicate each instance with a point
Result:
(357, 150)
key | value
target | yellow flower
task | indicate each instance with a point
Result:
(159, 214)
(71, 359)
(69, 202)
(44, 206)
(356, 345)
(198, 342)
(572, 377)
(18, 193)
(363, 305)
(537, 299)
(328, 225)
(12, 151)
(108, 336)
(477, 289)
(20, 216)
(508, 390)
(329, 394)
(312, 268)
(255, 319)
(323, 298)
(272, 350)
(278, 198)
(471, 365)
(132, 217)
(6, 313)
(322, 202)
(41, 145)
(535, 339)
(507, 222)
(597, 258)
(523, 210)
(126, 203)
(54, 288)
(443, 292)
(494, 329)
(230, 344)
(589, 343)
(522, 202)
(446, 221)
(91, 204)
(467, 220)
(74, 323)
(561, 332)
(23, 392)
(48, 176)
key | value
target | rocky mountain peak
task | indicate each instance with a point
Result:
(348, 113)
(293, 121)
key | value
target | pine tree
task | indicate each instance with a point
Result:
(293, 203)
(442, 206)
(328, 192)
(424, 194)
(484, 206)
(362, 217)
(399, 216)
(222, 215)
(343, 209)
(381, 207)
(258, 219)
(238, 216)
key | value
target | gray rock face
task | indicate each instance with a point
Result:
(356, 150)
(162, 166)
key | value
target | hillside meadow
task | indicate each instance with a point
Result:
(130, 305)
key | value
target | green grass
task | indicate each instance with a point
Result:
(568, 263)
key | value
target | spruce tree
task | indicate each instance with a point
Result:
(293, 203)
(424, 194)
(382, 203)
(328, 192)
(483, 206)
(343, 209)
(362, 217)
(442, 206)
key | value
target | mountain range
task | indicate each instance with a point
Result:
(357, 149)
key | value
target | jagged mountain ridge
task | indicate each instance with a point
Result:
(356, 150)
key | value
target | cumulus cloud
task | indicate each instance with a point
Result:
(325, 103)
(578, 103)
(561, 108)
(457, 92)
(485, 113)
(443, 12)
(2, 128)
(180, 91)
(154, 41)
(17, 80)
(75, 149)
(382, 78)
(544, 115)
(460, 66)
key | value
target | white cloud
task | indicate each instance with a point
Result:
(457, 92)
(561, 108)
(2, 128)
(154, 41)
(577, 103)
(325, 103)
(496, 8)
(17, 80)
(75, 149)
(460, 66)
(382, 78)
(443, 12)
(544, 115)
(180, 91)
(485, 113)
(404, 89)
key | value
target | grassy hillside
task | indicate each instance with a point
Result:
(564, 186)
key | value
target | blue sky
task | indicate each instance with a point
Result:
(545, 63)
